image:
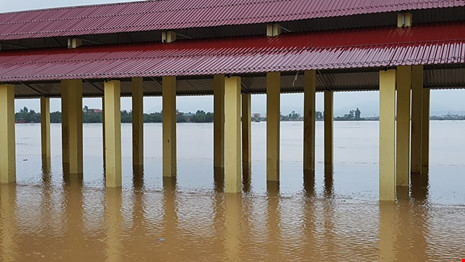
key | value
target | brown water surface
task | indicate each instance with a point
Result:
(49, 216)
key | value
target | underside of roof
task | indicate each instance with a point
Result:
(177, 14)
(345, 60)
(292, 82)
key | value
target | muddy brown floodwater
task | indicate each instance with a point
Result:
(49, 216)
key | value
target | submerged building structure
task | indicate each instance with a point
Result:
(231, 50)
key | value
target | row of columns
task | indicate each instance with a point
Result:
(227, 93)
(404, 144)
(227, 137)
(395, 152)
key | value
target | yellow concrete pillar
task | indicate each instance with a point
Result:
(246, 132)
(45, 129)
(273, 30)
(71, 109)
(328, 114)
(7, 134)
(112, 117)
(387, 135)
(404, 83)
(417, 116)
(425, 131)
(218, 145)
(309, 120)
(404, 20)
(169, 126)
(137, 121)
(168, 36)
(74, 43)
(103, 131)
(273, 115)
(232, 134)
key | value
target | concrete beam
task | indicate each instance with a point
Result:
(328, 123)
(404, 84)
(417, 117)
(137, 121)
(232, 131)
(218, 125)
(425, 131)
(45, 130)
(71, 108)
(246, 132)
(309, 121)
(387, 135)
(112, 117)
(169, 125)
(273, 115)
(7, 135)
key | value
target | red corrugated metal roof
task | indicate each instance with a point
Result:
(442, 44)
(177, 14)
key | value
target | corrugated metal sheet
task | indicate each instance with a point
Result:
(427, 45)
(254, 84)
(178, 14)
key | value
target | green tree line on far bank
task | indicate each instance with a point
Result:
(95, 116)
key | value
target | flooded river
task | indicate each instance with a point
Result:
(48, 216)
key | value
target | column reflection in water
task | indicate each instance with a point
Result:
(403, 231)
(50, 213)
(73, 223)
(8, 246)
(219, 222)
(329, 230)
(419, 230)
(137, 201)
(46, 196)
(232, 222)
(113, 225)
(170, 219)
(386, 231)
(310, 244)
(402, 227)
(273, 220)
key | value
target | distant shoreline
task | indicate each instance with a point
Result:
(335, 120)
(95, 116)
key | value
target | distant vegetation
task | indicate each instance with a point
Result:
(95, 116)
(351, 116)
(448, 117)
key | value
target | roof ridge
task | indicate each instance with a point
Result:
(133, 13)
(171, 15)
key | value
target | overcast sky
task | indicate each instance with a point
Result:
(442, 102)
